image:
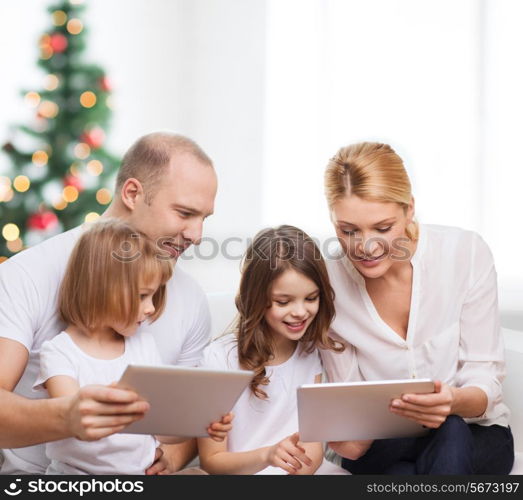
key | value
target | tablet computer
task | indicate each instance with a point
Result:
(356, 410)
(184, 400)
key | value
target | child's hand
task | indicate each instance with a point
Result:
(288, 454)
(218, 430)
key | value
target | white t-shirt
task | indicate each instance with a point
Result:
(453, 331)
(29, 285)
(259, 423)
(116, 454)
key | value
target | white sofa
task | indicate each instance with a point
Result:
(223, 311)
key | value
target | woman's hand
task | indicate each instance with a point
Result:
(218, 430)
(430, 410)
(288, 454)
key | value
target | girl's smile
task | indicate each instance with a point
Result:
(295, 303)
(296, 327)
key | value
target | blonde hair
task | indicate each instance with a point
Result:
(148, 158)
(102, 279)
(372, 171)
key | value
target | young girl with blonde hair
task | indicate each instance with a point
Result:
(115, 281)
(285, 307)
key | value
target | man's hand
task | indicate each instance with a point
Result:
(160, 466)
(430, 410)
(97, 411)
(218, 430)
(171, 458)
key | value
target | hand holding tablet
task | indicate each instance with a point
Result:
(184, 400)
(357, 410)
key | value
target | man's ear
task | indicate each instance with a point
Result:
(131, 193)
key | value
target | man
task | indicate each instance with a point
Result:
(165, 187)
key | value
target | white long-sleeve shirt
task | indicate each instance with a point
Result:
(453, 330)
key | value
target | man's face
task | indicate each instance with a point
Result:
(174, 216)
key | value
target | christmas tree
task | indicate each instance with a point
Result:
(59, 172)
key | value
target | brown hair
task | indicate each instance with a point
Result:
(273, 251)
(102, 279)
(372, 171)
(148, 158)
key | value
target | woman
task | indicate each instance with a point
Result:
(415, 301)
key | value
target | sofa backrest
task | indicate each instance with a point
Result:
(223, 312)
(512, 384)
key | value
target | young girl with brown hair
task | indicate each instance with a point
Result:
(115, 280)
(285, 306)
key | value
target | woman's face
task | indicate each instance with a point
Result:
(372, 234)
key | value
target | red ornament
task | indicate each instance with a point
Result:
(58, 42)
(42, 221)
(94, 137)
(105, 84)
(73, 180)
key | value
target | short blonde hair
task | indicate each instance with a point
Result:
(372, 171)
(102, 279)
(148, 158)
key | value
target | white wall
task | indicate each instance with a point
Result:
(436, 79)
(402, 72)
(272, 88)
(21, 24)
(503, 164)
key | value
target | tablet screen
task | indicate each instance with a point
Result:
(184, 400)
(357, 410)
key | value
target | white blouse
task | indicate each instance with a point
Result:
(453, 331)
